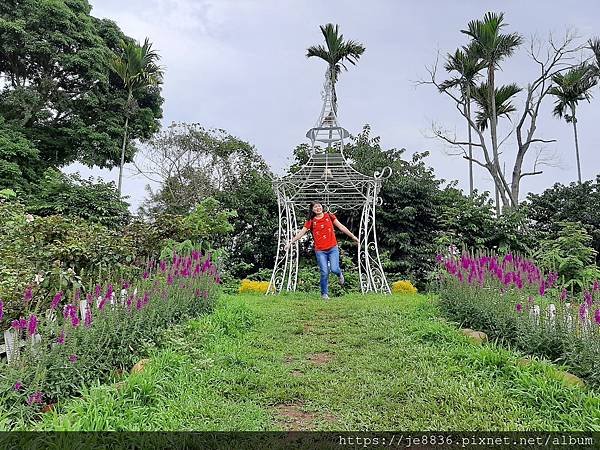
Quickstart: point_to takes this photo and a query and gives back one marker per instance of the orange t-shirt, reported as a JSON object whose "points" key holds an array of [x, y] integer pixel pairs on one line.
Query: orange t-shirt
{"points": [[322, 230]]}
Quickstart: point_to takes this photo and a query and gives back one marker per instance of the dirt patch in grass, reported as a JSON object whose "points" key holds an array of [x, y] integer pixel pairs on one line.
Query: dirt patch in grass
{"points": [[288, 359], [320, 359], [292, 417], [297, 373]]}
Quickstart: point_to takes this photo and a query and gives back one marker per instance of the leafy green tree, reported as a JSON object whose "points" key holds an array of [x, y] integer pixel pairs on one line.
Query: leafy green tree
{"points": [[467, 64], [70, 195], [336, 53], [209, 220], [571, 88], [570, 254], [191, 163], [58, 92], [19, 160], [137, 68], [252, 244], [574, 202]]}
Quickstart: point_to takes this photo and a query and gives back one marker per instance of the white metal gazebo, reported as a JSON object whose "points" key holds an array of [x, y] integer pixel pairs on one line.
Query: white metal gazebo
{"points": [[329, 178]]}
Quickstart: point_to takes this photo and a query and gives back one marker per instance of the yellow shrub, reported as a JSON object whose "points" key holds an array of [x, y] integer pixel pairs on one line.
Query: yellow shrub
{"points": [[256, 287], [403, 287]]}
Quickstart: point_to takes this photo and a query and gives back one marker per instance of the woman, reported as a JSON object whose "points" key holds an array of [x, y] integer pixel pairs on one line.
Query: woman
{"points": [[326, 249]]}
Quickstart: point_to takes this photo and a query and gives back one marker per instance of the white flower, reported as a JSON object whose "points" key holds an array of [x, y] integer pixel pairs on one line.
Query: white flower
{"points": [[29, 218], [38, 278]]}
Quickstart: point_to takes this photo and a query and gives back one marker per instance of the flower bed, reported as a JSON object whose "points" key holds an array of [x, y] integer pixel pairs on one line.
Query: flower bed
{"points": [[512, 300], [92, 335]]}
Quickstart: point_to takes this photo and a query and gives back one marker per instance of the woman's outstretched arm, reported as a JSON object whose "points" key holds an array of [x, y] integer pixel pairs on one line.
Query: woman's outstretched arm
{"points": [[345, 230], [300, 233]]}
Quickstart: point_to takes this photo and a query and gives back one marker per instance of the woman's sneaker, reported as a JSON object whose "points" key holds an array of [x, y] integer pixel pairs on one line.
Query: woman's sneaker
{"points": [[342, 281], [325, 297]]}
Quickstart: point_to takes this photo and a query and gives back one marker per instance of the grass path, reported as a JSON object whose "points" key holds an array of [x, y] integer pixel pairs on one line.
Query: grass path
{"points": [[353, 363]]}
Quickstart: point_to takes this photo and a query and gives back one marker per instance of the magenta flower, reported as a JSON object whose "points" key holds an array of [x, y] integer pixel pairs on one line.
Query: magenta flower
{"points": [[56, 300], [28, 295], [163, 265], [19, 324], [1, 309], [596, 286], [87, 320], [519, 308], [126, 285], [146, 298], [587, 298], [145, 275], [73, 358], [18, 386], [139, 304], [597, 316], [542, 288], [36, 397], [77, 295], [60, 340], [97, 291], [582, 311], [563, 295], [170, 279], [32, 325]]}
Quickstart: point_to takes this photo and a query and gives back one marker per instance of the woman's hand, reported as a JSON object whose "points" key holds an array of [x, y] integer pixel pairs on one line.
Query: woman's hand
{"points": [[355, 239]]}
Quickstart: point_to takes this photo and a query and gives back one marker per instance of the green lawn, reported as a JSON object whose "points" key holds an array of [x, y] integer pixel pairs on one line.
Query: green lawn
{"points": [[353, 363]]}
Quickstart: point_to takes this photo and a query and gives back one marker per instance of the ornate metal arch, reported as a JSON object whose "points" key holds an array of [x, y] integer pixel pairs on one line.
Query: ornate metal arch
{"points": [[328, 176]]}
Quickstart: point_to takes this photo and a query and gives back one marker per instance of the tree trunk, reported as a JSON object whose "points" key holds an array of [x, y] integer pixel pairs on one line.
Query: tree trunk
{"points": [[574, 119], [123, 154], [468, 108], [124, 147]]}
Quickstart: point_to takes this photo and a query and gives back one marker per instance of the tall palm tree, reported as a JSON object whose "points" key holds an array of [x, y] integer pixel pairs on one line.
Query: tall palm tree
{"points": [[336, 54], [492, 47], [137, 67], [570, 88], [467, 64]]}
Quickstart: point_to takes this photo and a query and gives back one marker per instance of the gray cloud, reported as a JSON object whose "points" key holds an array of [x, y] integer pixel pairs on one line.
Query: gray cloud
{"points": [[240, 65]]}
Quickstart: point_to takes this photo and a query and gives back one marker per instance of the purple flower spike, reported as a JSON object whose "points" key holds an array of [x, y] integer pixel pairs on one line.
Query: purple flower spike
{"points": [[583, 311], [597, 316], [563, 295], [587, 298], [145, 275], [73, 358], [18, 386], [56, 300], [36, 397], [60, 340], [519, 308], [28, 295], [32, 324], [1, 309], [596, 286], [87, 321]]}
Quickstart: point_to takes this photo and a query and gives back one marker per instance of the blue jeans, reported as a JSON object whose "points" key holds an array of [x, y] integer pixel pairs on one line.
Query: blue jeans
{"points": [[331, 256]]}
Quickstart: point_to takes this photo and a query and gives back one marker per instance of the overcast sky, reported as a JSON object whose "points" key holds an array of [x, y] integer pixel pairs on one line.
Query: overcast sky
{"points": [[241, 66]]}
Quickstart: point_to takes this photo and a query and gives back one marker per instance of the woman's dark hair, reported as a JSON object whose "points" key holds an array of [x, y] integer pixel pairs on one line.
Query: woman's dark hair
{"points": [[311, 213]]}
